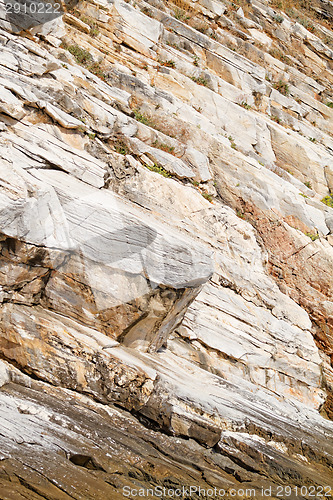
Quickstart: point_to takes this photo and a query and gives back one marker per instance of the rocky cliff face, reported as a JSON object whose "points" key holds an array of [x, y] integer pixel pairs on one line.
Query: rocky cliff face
{"points": [[166, 260]]}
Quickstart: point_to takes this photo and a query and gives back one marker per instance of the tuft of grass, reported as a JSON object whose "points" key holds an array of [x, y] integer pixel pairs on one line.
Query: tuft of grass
{"points": [[207, 196], [97, 70], [81, 56], [245, 105], [164, 147], [169, 64], [181, 14], [121, 148], [278, 18], [84, 58], [200, 25], [146, 11], [328, 200], [307, 24], [200, 80], [308, 184], [142, 118], [312, 139], [304, 195], [174, 45], [277, 53], [196, 60], [94, 31], [158, 169], [329, 104], [282, 87]]}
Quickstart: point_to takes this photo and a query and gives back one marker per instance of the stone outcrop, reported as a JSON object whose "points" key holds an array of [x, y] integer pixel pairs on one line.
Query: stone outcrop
{"points": [[166, 304]]}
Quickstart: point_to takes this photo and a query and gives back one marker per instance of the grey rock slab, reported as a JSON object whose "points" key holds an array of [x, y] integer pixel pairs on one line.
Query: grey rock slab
{"points": [[36, 142], [10, 105], [96, 217], [64, 119]]}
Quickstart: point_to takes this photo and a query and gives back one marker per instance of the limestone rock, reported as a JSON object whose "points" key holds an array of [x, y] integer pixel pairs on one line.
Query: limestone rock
{"points": [[165, 247]]}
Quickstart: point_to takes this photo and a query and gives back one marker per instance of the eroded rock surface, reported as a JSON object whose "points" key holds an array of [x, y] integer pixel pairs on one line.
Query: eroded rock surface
{"points": [[166, 285]]}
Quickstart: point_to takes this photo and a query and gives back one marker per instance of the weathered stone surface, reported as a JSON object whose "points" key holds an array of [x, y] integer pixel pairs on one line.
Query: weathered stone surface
{"points": [[164, 248]]}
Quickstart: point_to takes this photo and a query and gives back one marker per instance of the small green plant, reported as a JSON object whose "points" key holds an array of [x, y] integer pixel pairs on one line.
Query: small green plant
{"points": [[142, 118], [307, 24], [245, 105], [329, 104], [196, 60], [168, 64], [94, 31], [328, 200], [278, 18], [180, 14], [96, 69], [304, 195], [275, 119], [121, 148], [174, 45], [282, 87], [164, 147], [199, 80], [84, 58], [277, 53], [207, 196], [232, 143], [308, 184], [240, 214], [313, 237], [91, 135], [158, 170], [81, 56], [146, 11], [312, 139]]}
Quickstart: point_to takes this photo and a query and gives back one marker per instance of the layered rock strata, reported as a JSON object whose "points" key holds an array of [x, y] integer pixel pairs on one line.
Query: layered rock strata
{"points": [[166, 248]]}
